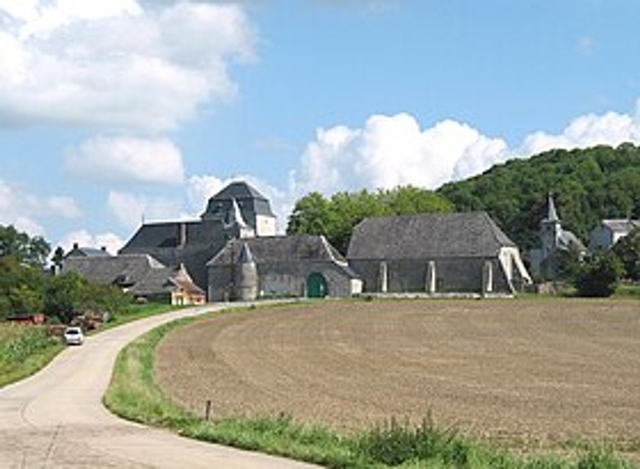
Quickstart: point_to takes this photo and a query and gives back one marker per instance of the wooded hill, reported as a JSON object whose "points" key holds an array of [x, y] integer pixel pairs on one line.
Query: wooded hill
{"points": [[588, 185]]}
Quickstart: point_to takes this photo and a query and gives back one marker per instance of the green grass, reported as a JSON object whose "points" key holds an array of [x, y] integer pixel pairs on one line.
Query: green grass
{"points": [[135, 395], [628, 291], [24, 350], [134, 312]]}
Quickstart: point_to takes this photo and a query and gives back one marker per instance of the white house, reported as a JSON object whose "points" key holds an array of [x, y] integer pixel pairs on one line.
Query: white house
{"points": [[610, 231]]}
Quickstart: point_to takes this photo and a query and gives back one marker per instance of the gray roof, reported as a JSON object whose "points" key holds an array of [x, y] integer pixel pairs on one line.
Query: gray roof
{"points": [[430, 235], [552, 213], [279, 249], [162, 234], [621, 225], [87, 252], [247, 197], [116, 270], [141, 273]]}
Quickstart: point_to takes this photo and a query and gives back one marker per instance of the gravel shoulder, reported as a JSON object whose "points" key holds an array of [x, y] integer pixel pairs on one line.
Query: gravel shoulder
{"points": [[527, 372]]}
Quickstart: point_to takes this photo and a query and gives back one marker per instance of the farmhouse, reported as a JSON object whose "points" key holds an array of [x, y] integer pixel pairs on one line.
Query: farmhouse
{"points": [[138, 274], [298, 266], [237, 211], [436, 253]]}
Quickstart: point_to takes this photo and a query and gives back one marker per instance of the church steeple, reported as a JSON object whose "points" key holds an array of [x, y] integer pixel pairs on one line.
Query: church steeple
{"points": [[552, 214], [550, 228]]}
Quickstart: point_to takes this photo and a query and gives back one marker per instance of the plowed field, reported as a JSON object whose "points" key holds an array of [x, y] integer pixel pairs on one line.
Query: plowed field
{"points": [[525, 371]]}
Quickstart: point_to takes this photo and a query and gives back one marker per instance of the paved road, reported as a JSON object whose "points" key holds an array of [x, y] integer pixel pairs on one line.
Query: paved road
{"points": [[55, 419]]}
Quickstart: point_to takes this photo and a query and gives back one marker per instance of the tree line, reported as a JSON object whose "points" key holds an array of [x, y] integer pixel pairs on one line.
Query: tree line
{"points": [[27, 287]]}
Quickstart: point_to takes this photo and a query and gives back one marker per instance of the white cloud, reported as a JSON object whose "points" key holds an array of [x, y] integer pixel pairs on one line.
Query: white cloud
{"points": [[394, 150], [24, 210], [126, 159], [585, 131], [116, 64], [391, 151], [83, 238], [131, 210]]}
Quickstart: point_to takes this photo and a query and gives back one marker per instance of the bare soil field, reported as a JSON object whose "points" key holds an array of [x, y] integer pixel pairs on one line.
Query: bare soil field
{"points": [[526, 372]]}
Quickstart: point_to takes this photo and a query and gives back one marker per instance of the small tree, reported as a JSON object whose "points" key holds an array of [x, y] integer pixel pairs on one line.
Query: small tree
{"points": [[628, 251], [599, 275]]}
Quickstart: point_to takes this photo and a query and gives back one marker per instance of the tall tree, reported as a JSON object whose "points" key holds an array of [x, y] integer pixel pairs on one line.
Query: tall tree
{"points": [[30, 250], [628, 251], [336, 217]]}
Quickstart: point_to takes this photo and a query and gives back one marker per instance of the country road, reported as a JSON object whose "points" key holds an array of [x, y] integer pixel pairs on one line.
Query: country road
{"points": [[55, 419]]}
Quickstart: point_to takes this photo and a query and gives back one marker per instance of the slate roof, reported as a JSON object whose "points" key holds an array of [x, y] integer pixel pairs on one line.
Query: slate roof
{"points": [[87, 252], [621, 225], [141, 273], [272, 249], [431, 235], [125, 269], [163, 234], [244, 195]]}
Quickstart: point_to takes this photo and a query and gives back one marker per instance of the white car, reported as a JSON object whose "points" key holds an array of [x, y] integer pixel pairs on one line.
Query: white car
{"points": [[73, 336]]}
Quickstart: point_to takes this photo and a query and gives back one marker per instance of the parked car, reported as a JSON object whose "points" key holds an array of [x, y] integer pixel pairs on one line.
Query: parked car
{"points": [[73, 335]]}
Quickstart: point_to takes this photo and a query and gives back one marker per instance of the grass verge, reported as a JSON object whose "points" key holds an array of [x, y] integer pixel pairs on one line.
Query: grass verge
{"points": [[24, 350], [134, 395]]}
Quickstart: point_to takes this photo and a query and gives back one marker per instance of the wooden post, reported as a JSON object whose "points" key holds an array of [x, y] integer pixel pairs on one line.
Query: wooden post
{"points": [[207, 411]]}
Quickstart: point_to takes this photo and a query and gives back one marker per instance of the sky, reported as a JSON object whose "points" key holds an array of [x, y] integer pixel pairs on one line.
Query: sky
{"points": [[119, 112]]}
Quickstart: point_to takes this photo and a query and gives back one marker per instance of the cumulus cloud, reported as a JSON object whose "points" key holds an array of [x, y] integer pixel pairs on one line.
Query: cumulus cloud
{"points": [[23, 209], [83, 238], [585, 131], [395, 150], [126, 159], [117, 64]]}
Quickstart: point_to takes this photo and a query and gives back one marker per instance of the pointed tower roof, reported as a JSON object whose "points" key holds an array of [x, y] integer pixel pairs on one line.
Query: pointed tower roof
{"points": [[552, 214], [245, 256]]}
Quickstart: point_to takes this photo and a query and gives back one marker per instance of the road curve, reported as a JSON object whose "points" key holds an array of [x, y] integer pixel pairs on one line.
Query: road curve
{"points": [[55, 419]]}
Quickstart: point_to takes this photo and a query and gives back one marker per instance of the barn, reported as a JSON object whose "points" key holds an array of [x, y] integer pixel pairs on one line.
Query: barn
{"points": [[436, 253]]}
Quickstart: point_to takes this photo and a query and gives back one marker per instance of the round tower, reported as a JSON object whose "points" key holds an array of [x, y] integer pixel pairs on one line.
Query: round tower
{"points": [[245, 276]]}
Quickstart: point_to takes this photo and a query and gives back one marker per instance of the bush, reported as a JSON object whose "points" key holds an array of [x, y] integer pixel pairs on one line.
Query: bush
{"points": [[599, 275]]}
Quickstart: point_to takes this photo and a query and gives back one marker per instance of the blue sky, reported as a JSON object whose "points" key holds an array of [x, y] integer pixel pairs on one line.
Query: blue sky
{"points": [[118, 111]]}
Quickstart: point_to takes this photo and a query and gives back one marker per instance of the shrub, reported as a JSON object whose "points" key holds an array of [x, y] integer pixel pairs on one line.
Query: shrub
{"points": [[599, 275]]}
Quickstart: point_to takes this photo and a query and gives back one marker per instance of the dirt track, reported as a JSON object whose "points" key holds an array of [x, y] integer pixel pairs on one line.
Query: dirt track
{"points": [[522, 371]]}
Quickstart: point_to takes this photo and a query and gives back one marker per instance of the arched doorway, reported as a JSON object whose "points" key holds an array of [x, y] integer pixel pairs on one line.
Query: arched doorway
{"points": [[317, 286]]}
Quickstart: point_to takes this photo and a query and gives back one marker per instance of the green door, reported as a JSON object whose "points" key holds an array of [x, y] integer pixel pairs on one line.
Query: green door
{"points": [[317, 286]]}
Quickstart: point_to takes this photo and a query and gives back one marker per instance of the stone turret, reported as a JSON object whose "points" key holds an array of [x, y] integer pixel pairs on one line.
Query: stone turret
{"points": [[245, 276], [550, 228]]}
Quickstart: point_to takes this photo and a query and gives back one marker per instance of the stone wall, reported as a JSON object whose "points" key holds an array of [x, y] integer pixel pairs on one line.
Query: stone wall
{"points": [[453, 275]]}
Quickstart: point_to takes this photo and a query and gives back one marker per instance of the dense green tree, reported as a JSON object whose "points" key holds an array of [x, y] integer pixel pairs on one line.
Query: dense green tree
{"points": [[589, 185], [30, 250], [336, 217], [628, 251], [21, 288], [63, 296], [599, 275]]}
